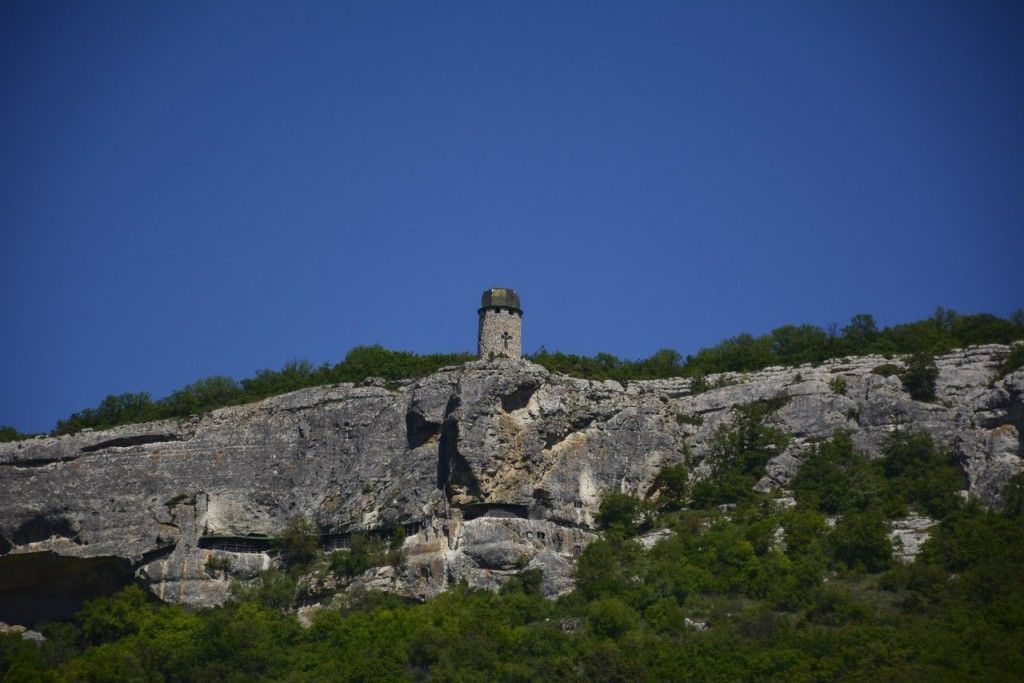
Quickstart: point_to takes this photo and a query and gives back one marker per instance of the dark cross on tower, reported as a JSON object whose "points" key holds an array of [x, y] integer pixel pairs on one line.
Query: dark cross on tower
{"points": [[506, 337]]}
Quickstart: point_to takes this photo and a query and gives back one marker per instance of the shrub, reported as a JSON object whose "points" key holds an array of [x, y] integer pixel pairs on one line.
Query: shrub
{"points": [[611, 617], [218, 563], [622, 512], [739, 453], [919, 473], [919, 377], [367, 551], [861, 542], [838, 385], [671, 485], [695, 420], [837, 478], [886, 370], [527, 582], [273, 589], [12, 434], [299, 543], [1012, 362], [113, 617], [1013, 496]]}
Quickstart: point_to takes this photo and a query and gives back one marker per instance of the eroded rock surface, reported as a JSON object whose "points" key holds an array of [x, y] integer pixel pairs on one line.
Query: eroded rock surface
{"points": [[492, 466]]}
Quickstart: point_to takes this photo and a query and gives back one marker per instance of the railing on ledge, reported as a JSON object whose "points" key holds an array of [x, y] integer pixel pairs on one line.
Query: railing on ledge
{"points": [[333, 540]]}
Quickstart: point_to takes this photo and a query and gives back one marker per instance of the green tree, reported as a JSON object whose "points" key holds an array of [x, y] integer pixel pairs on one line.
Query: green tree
{"points": [[672, 487], [202, 395], [611, 617], [861, 542], [919, 377], [299, 543], [861, 333], [623, 512], [10, 434], [1013, 496], [837, 478], [1012, 362], [739, 453], [107, 619], [920, 474]]}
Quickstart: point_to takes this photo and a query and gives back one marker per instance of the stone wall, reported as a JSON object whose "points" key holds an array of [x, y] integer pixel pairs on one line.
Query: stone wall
{"points": [[501, 333]]}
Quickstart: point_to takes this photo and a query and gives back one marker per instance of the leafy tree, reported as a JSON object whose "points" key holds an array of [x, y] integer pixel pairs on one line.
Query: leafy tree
{"points": [[299, 543], [919, 377], [623, 512], [526, 582], [796, 344], [1014, 361], [363, 552], [1017, 318], [739, 454], [788, 344], [837, 478], [860, 333], [11, 434], [919, 473], [956, 613], [861, 542], [1013, 496], [107, 619], [611, 617], [202, 395], [113, 410], [672, 487]]}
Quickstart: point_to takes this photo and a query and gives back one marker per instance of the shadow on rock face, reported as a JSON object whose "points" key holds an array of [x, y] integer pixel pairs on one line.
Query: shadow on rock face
{"points": [[41, 587]]}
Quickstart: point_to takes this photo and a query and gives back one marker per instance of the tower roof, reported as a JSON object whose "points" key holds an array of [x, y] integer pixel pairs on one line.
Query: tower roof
{"points": [[500, 297]]}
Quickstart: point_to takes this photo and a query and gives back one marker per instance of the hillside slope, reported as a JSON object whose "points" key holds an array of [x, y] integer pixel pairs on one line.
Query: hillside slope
{"points": [[489, 466]]}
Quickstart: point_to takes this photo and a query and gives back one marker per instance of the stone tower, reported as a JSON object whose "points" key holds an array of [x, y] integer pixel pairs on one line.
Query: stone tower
{"points": [[501, 324]]}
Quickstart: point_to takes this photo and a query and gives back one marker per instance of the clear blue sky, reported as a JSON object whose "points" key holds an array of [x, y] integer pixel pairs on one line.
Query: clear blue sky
{"points": [[206, 188]]}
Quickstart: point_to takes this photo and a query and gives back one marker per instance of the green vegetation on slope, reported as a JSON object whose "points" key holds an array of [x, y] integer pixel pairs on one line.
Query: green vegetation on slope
{"points": [[796, 344], [787, 345], [215, 392], [728, 596]]}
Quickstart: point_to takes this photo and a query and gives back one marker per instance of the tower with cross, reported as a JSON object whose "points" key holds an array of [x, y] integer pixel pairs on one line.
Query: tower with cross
{"points": [[501, 324]]}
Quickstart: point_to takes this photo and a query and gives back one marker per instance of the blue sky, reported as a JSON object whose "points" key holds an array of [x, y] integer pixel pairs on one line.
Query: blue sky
{"points": [[202, 188]]}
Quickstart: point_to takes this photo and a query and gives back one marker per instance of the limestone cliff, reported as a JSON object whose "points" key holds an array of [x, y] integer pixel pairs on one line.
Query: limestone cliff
{"points": [[492, 466]]}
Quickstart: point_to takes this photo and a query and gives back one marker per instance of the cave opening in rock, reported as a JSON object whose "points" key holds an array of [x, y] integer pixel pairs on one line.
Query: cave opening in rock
{"points": [[40, 587]]}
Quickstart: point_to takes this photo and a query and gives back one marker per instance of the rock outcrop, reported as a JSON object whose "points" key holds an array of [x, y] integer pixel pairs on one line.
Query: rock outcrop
{"points": [[490, 466]]}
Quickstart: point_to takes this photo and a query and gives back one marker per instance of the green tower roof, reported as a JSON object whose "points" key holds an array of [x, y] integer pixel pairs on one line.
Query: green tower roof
{"points": [[500, 297]]}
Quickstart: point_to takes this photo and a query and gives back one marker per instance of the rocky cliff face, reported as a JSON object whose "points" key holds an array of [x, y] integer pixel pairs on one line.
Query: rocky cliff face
{"points": [[493, 466]]}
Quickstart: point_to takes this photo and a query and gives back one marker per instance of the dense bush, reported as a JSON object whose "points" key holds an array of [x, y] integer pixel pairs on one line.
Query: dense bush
{"points": [[786, 345], [1014, 361], [920, 475], [671, 487], [861, 542], [218, 391], [913, 475], [739, 453], [299, 543], [11, 434], [919, 377], [365, 552], [767, 611], [622, 512], [836, 478]]}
